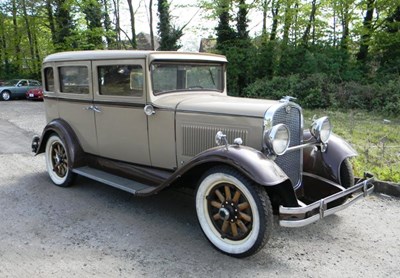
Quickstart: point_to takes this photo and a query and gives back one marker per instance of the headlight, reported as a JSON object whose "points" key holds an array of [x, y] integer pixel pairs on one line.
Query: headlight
{"points": [[277, 139], [321, 129]]}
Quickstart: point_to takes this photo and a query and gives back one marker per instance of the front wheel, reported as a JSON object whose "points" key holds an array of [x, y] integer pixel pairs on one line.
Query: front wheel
{"points": [[57, 162], [234, 213], [5, 95]]}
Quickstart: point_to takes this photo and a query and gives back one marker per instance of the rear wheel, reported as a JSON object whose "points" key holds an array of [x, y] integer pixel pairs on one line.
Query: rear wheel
{"points": [[57, 162], [5, 95], [234, 213]]}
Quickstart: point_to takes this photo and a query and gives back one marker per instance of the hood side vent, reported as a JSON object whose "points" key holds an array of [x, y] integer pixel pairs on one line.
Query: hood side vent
{"points": [[200, 138]]}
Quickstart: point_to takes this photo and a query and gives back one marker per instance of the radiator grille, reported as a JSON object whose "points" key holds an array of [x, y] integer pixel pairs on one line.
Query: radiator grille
{"points": [[200, 138], [290, 162]]}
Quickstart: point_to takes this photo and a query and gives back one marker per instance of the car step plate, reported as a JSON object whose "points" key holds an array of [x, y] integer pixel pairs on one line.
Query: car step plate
{"points": [[112, 180]]}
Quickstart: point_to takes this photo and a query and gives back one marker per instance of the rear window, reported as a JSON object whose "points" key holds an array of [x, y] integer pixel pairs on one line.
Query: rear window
{"points": [[49, 79], [74, 79]]}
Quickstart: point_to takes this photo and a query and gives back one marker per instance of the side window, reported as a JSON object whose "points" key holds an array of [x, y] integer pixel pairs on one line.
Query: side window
{"points": [[121, 80], [34, 83], [23, 83], [49, 79], [74, 79]]}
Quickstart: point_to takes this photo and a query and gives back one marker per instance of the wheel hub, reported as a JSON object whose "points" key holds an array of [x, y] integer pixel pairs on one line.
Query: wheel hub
{"points": [[224, 213], [59, 159], [228, 211]]}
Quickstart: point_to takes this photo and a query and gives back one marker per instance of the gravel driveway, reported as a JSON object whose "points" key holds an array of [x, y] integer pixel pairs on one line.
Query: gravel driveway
{"points": [[91, 230]]}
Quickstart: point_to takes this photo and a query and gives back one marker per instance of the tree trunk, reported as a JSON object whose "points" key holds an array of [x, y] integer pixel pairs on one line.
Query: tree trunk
{"points": [[275, 11], [29, 33], [117, 23], [264, 12], [16, 37], [50, 17], [310, 23], [288, 22], [133, 32], [345, 26], [365, 38], [151, 25]]}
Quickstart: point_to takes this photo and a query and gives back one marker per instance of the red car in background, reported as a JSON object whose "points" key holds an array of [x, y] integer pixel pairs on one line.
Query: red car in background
{"points": [[35, 94]]}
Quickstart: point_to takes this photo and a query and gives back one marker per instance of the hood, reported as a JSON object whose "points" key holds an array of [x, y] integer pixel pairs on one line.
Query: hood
{"points": [[217, 104]]}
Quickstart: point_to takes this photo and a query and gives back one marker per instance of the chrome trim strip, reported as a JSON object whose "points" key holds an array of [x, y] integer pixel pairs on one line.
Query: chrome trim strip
{"points": [[299, 214]]}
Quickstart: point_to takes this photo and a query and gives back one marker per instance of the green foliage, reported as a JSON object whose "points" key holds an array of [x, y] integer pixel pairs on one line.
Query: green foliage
{"points": [[169, 35]]}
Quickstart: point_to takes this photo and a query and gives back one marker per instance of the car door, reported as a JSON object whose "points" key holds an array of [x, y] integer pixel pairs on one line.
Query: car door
{"points": [[21, 89], [75, 101], [119, 99]]}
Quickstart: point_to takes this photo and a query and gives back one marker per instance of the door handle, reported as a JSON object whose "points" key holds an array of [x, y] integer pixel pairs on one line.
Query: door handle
{"points": [[93, 108]]}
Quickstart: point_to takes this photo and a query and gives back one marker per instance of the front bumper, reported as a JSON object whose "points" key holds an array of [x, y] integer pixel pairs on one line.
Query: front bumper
{"points": [[302, 216]]}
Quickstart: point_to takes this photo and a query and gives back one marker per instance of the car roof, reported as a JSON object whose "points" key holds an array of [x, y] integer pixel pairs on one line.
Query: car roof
{"points": [[132, 54]]}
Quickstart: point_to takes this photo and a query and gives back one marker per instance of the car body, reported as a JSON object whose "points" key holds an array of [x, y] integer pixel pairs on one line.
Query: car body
{"points": [[142, 121], [35, 94], [17, 88]]}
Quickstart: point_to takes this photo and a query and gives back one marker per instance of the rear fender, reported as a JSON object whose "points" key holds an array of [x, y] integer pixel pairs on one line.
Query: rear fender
{"points": [[68, 136], [327, 164]]}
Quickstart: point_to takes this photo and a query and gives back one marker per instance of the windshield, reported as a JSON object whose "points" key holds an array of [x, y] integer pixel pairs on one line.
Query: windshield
{"points": [[12, 82], [173, 77]]}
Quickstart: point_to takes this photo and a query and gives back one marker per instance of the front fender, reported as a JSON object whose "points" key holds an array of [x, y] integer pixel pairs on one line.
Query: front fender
{"points": [[252, 163], [327, 164], [66, 133]]}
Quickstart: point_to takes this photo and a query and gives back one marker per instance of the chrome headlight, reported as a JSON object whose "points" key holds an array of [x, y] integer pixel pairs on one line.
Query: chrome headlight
{"points": [[277, 139], [321, 129]]}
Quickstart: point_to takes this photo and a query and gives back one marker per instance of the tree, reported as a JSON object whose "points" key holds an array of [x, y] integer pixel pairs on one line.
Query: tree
{"points": [[169, 35], [225, 33], [64, 26], [151, 25], [93, 16], [132, 17], [107, 25], [367, 31]]}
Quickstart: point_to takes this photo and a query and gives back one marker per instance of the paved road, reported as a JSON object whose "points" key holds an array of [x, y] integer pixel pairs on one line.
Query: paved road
{"points": [[91, 230]]}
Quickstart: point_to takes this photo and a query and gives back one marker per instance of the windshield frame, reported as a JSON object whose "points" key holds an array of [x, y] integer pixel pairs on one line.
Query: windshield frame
{"points": [[180, 63]]}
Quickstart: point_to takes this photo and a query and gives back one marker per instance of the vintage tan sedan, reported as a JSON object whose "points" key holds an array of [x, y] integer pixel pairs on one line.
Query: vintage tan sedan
{"points": [[143, 121]]}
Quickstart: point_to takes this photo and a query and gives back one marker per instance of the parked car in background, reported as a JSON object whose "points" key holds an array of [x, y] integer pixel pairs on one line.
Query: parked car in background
{"points": [[143, 121], [17, 88], [35, 94]]}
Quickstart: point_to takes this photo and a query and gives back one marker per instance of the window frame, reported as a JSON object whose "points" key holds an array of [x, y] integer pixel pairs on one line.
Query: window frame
{"points": [[117, 98], [60, 94]]}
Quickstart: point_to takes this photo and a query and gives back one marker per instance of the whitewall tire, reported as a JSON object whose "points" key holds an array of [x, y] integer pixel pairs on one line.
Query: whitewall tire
{"points": [[234, 213], [57, 162]]}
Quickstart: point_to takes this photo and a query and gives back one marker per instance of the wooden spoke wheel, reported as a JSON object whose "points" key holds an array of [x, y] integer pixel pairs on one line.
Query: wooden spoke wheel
{"points": [[57, 162], [234, 213], [230, 211]]}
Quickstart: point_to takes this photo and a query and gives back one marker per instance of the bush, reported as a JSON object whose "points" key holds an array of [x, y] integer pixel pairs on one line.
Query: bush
{"points": [[319, 91], [312, 91]]}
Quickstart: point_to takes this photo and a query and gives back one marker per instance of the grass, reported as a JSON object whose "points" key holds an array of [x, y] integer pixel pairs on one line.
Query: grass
{"points": [[376, 138]]}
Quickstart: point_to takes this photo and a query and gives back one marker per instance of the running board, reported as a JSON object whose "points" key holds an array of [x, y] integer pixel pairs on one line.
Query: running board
{"points": [[128, 185]]}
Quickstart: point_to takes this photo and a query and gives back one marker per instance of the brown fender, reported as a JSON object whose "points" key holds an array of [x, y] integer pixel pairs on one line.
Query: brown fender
{"points": [[252, 163], [248, 161], [67, 135], [327, 164]]}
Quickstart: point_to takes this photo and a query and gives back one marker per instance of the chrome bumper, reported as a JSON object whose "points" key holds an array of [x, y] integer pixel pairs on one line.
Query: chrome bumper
{"points": [[302, 216]]}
